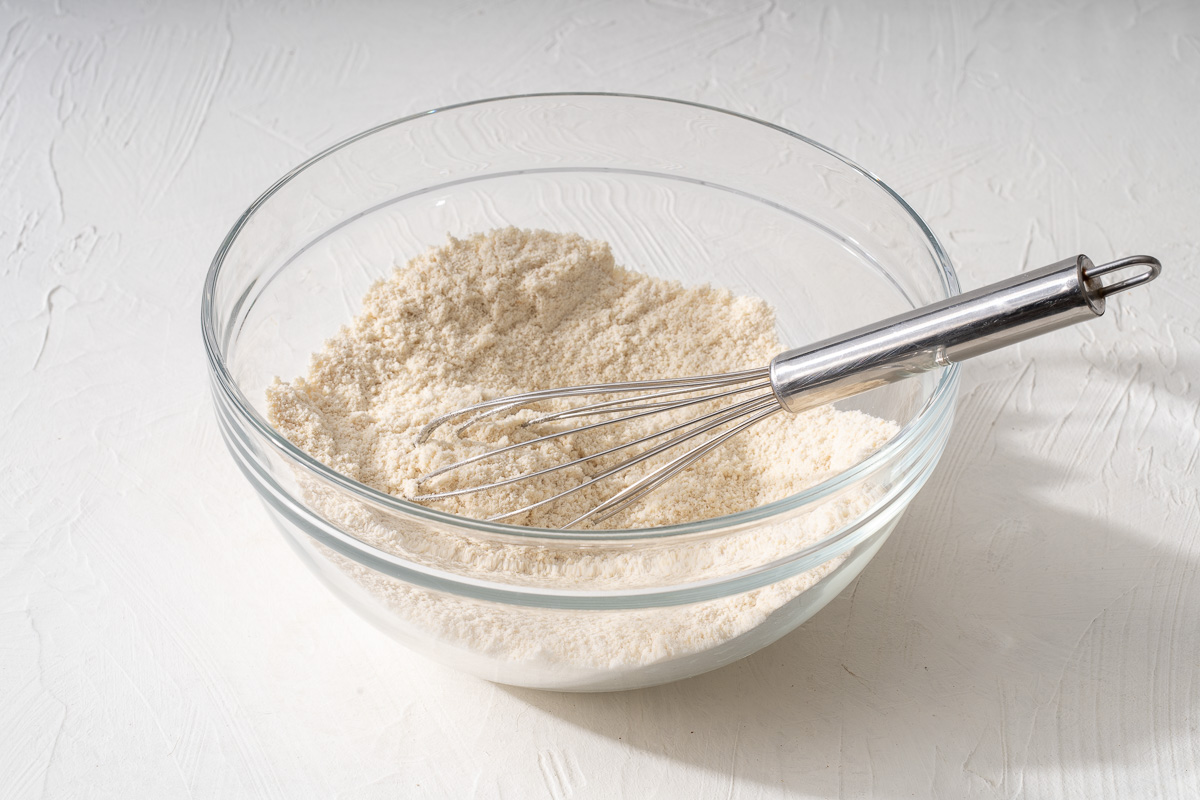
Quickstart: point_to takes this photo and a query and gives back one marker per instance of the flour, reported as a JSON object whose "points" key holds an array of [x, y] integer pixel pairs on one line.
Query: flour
{"points": [[514, 311]]}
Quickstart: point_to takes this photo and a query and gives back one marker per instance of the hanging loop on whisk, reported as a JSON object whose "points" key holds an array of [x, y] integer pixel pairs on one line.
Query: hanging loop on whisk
{"points": [[1154, 266]]}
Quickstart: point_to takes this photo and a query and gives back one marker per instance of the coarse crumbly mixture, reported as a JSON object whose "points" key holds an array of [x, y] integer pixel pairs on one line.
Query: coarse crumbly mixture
{"points": [[517, 310]]}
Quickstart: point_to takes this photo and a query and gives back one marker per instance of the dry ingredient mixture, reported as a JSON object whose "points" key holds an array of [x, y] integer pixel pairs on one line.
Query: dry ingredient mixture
{"points": [[517, 310]]}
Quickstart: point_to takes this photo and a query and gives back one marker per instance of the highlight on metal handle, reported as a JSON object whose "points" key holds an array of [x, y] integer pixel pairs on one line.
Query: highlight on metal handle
{"points": [[1093, 273], [952, 330]]}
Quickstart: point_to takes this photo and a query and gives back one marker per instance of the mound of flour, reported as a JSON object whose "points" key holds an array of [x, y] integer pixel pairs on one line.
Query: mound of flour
{"points": [[517, 310]]}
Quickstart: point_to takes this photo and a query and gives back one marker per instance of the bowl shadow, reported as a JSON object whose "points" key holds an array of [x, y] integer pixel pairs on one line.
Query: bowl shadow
{"points": [[980, 643]]}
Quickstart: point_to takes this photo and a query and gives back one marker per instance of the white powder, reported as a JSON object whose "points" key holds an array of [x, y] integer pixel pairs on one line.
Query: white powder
{"points": [[514, 311]]}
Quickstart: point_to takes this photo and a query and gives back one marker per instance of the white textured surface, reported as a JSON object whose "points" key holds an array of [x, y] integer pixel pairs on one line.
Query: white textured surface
{"points": [[1031, 630]]}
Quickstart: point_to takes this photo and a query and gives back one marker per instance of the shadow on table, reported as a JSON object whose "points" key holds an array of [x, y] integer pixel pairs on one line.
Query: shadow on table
{"points": [[993, 632]]}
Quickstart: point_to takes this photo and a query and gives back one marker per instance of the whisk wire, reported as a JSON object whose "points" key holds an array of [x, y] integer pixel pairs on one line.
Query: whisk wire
{"points": [[513, 401], [560, 434], [722, 418], [647, 484], [614, 406]]}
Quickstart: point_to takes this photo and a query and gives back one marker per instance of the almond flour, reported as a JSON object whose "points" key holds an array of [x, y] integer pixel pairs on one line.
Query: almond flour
{"points": [[517, 310]]}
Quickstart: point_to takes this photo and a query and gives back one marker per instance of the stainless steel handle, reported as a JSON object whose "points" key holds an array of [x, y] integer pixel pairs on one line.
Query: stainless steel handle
{"points": [[953, 330]]}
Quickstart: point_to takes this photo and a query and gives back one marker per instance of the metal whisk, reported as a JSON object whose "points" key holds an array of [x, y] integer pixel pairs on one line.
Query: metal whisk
{"points": [[937, 335]]}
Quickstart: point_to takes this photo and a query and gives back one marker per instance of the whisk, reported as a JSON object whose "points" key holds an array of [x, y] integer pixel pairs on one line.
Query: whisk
{"points": [[937, 335]]}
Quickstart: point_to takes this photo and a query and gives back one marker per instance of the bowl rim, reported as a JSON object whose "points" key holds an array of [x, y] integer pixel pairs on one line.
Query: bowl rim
{"points": [[943, 393]]}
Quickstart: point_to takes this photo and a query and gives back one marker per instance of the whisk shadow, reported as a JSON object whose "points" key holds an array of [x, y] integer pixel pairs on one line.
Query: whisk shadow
{"points": [[938, 665]]}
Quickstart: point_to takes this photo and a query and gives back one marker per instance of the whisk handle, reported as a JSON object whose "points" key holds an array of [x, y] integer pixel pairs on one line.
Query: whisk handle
{"points": [[950, 331]]}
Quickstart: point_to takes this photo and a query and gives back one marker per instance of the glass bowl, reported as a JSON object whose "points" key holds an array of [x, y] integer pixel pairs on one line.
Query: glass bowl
{"points": [[679, 190]]}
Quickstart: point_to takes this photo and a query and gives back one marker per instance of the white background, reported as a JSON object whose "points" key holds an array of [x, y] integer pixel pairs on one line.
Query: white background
{"points": [[1032, 629]]}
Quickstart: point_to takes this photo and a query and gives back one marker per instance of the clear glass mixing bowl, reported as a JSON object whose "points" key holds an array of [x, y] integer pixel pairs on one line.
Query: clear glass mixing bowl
{"points": [[679, 190]]}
